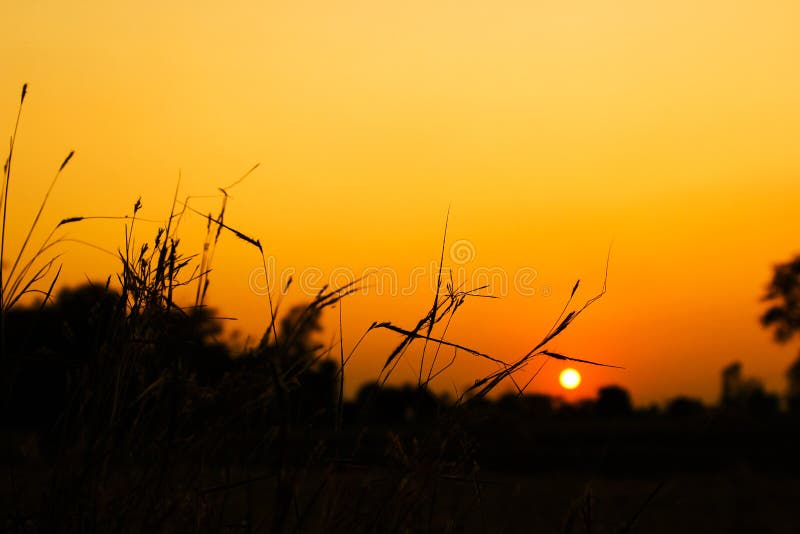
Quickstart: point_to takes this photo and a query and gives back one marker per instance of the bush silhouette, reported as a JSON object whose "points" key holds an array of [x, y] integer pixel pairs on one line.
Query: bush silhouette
{"points": [[684, 407]]}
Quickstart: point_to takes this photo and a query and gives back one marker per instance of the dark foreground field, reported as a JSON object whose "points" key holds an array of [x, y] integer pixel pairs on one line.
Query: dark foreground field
{"points": [[637, 474]]}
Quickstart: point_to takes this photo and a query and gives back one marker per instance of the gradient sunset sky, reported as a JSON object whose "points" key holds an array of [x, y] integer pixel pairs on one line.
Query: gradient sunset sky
{"points": [[553, 130]]}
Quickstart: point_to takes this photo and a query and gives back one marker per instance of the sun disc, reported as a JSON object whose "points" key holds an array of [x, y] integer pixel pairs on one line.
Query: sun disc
{"points": [[569, 378]]}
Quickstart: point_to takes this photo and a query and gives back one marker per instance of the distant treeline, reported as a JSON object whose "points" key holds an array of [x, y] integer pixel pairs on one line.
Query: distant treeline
{"points": [[55, 355]]}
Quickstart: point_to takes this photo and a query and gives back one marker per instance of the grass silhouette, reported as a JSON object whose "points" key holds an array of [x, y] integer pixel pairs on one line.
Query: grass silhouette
{"points": [[160, 428]]}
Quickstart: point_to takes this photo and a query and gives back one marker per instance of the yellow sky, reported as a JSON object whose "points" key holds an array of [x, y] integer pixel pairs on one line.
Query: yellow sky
{"points": [[550, 128]]}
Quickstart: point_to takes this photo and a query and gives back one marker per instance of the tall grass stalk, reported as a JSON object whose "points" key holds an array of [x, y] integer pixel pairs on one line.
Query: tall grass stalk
{"points": [[446, 305], [13, 288]]}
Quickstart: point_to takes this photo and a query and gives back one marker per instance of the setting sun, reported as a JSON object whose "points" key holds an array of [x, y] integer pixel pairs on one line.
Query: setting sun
{"points": [[570, 378]]}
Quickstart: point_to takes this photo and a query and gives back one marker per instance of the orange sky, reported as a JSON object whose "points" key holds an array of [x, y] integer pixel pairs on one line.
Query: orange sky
{"points": [[552, 129]]}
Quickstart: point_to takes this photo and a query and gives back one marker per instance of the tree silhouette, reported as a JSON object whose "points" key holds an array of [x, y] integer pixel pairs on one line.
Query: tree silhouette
{"points": [[742, 395], [783, 315], [613, 401], [731, 384], [783, 294], [63, 350], [52, 346]]}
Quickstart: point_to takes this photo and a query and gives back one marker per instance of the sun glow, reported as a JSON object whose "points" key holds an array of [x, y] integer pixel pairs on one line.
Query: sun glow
{"points": [[569, 378]]}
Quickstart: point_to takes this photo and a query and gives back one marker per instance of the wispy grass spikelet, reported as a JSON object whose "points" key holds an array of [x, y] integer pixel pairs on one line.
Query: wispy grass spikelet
{"points": [[66, 160]]}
